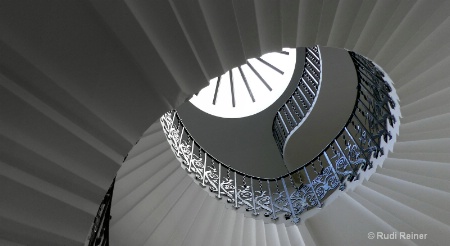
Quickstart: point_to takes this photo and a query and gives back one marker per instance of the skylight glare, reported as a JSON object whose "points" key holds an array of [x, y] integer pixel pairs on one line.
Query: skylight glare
{"points": [[250, 88]]}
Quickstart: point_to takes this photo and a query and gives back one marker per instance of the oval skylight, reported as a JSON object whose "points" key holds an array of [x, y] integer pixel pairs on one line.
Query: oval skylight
{"points": [[250, 88]]}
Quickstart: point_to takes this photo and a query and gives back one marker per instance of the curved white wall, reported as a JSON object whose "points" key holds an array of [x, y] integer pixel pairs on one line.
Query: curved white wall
{"points": [[245, 143], [125, 50]]}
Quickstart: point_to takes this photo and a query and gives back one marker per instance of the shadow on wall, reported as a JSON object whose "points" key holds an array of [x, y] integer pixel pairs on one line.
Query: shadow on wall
{"points": [[335, 103], [245, 144]]}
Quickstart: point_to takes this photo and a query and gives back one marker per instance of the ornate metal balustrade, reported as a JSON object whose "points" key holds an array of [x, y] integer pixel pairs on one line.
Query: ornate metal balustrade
{"points": [[309, 185], [99, 234], [296, 108]]}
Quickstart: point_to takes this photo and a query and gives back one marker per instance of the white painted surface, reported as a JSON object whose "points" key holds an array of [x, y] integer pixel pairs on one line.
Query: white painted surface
{"points": [[330, 113], [111, 69]]}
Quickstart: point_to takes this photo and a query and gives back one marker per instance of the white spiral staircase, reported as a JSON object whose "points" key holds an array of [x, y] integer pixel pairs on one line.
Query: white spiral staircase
{"points": [[81, 80]]}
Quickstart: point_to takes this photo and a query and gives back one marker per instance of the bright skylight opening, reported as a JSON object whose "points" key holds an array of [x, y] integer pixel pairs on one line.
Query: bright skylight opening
{"points": [[275, 71]]}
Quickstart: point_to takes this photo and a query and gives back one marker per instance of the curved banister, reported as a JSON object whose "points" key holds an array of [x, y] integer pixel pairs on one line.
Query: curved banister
{"points": [[310, 184], [296, 109], [99, 233]]}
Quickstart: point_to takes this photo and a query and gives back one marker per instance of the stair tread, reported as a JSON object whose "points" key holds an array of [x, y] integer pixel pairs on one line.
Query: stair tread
{"points": [[418, 222]]}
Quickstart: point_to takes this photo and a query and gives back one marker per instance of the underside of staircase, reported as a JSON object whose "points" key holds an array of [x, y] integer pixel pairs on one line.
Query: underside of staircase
{"points": [[82, 81]]}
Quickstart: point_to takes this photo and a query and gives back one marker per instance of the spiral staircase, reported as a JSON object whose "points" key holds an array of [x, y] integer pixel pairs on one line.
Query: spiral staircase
{"points": [[82, 81]]}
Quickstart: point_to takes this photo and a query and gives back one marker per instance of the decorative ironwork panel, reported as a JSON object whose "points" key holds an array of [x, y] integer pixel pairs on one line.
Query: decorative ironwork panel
{"points": [[293, 112], [340, 162], [99, 233]]}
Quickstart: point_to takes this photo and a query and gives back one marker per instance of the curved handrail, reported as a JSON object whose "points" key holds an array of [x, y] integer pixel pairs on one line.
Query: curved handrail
{"points": [[309, 185], [99, 233], [297, 107]]}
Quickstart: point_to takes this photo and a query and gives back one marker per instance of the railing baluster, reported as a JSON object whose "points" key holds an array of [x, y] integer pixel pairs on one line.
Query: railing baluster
{"points": [[274, 217], [360, 148], [346, 159], [375, 118], [312, 77], [283, 133], [253, 197], [219, 181], [310, 51], [319, 204], [236, 206], [385, 107], [190, 156], [173, 118], [99, 232], [181, 135], [290, 113], [370, 135], [309, 88], [331, 165], [204, 169], [304, 97], [366, 67], [313, 65], [282, 121], [179, 141], [298, 106], [291, 207]]}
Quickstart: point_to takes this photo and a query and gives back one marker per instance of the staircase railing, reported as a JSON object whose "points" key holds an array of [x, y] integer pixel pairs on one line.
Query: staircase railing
{"points": [[297, 107], [309, 185], [99, 233]]}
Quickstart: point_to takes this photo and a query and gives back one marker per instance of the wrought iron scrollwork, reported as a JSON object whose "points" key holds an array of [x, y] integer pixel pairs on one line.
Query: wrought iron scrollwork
{"points": [[296, 108], [308, 186], [99, 234]]}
